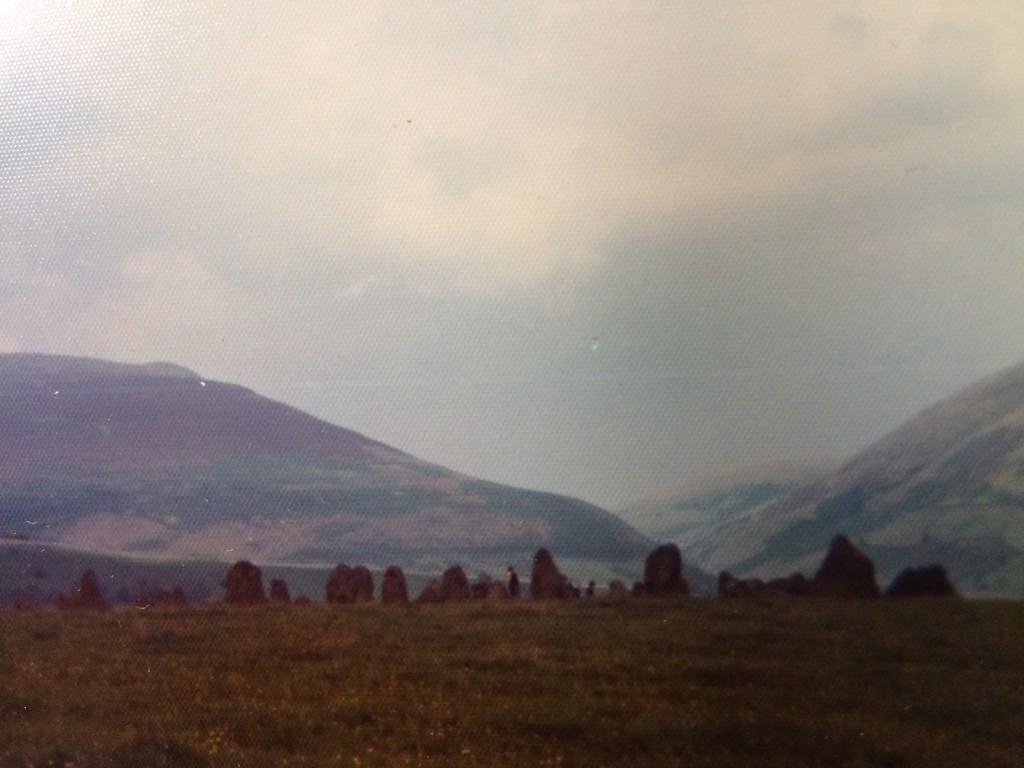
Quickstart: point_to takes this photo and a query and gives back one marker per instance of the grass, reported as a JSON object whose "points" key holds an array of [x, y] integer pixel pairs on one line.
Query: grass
{"points": [[660, 683]]}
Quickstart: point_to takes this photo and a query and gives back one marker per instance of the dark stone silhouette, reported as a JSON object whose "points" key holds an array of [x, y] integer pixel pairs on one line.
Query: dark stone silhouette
{"points": [[279, 592], [393, 588], [617, 590], [244, 584], [350, 585], [929, 581], [162, 598], [663, 572], [730, 586], [546, 581], [794, 585], [454, 584], [86, 596], [431, 593], [496, 591], [845, 572]]}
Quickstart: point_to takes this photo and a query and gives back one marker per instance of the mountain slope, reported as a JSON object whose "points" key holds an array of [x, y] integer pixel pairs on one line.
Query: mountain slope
{"points": [[156, 461], [947, 487]]}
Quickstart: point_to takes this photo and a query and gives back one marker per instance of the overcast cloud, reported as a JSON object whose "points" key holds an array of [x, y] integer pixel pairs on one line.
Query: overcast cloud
{"points": [[595, 248]]}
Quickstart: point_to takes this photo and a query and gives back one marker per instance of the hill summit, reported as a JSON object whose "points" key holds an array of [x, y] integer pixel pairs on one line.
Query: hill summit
{"points": [[155, 460]]}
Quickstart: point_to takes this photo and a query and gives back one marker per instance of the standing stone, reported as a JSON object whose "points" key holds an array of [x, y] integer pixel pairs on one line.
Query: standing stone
{"points": [[279, 591], [431, 592], [930, 581], [663, 572], [244, 584], [350, 585], [393, 588], [454, 584], [845, 572], [87, 595], [546, 581]]}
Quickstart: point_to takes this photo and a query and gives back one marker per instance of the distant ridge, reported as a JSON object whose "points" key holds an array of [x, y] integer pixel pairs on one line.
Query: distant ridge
{"points": [[945, 487], [155, 460]]}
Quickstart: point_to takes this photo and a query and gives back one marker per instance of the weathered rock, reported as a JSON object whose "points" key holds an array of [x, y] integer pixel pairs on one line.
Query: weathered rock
{"points": [[496, 591], [845, 572], [244, 584], [431, 593], [929, 581], [350, 585], [162, 598], [454, 584], [86, 596], [546, 581], [663, 572], [794, 585], [730, 586], [617, 590], [279, 591], [393, 588]]}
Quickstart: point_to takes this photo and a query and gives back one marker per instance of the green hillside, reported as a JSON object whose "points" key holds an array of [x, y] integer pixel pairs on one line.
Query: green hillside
{"points": [[155, 461], [946, 487]]}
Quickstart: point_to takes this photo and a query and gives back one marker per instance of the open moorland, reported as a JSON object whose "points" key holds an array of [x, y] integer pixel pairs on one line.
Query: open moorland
{"points": [[931, 682]]}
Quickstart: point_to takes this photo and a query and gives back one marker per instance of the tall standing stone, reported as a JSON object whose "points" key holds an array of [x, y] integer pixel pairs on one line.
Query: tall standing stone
{"points": [[845, 572], [350, 585], [663, 572], [393, 588], [244, 584], [87, 595], [546, 581]]}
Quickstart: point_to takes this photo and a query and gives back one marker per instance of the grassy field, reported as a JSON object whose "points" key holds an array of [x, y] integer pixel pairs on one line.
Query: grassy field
{"points": [[659, 683]]}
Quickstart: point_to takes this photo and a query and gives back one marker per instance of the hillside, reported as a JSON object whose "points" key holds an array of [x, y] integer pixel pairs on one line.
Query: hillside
{"points": [[946, 487], [156, 461]]}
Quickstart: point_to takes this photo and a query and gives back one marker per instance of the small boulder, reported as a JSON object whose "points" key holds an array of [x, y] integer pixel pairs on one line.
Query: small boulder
{"points": [[663, 572], [431, 593], [350, 585], [244, 584], [794, 585], [730, 586], [393, 588], [617, 590], [162, 598], [279, 592], [845, 572], [496, 591], [929, 581]]}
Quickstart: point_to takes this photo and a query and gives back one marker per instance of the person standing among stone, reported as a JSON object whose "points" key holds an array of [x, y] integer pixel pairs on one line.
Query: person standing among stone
{"points": [[512, 582]]}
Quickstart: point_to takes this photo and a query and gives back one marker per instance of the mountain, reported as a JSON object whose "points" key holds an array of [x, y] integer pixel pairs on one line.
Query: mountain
{"points": [[685, 514], [154, 461], [946, 487]]}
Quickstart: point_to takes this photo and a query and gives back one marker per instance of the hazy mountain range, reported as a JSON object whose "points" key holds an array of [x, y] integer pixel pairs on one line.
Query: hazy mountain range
{"points": [[156, 464], [153, 461], [946, 487]]}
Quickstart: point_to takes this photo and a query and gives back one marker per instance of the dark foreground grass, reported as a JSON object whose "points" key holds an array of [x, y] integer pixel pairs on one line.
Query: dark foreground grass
{"points": [[787, 683]]}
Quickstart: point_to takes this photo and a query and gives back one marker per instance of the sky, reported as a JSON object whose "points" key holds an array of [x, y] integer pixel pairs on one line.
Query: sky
{"points": [[597, 248]]}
